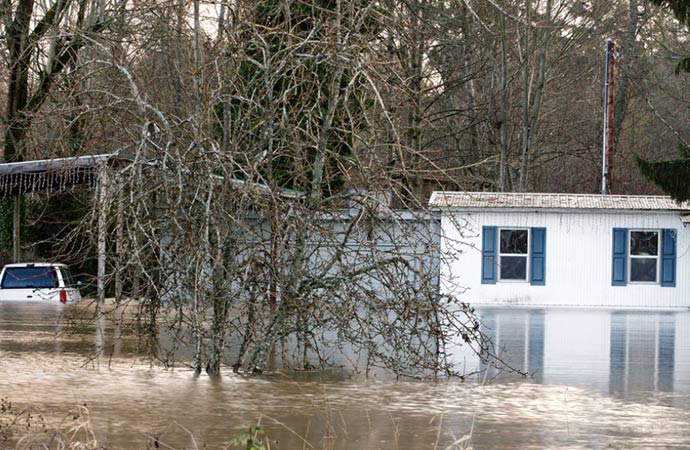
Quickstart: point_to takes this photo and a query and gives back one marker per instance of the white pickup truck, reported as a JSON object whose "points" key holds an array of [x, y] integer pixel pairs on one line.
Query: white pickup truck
{"points": [[38, 283]]}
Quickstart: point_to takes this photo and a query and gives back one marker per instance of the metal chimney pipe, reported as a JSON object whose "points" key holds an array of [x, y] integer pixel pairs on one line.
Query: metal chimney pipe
{"points": [[607, 148]]}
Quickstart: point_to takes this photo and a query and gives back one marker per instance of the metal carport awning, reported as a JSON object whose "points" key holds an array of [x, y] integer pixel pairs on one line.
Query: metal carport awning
{"points": [[55, 174], [19, 178]]}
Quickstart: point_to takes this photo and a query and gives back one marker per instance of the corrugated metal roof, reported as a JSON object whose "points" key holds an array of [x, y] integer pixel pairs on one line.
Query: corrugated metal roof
{"points": [[441, 199]]}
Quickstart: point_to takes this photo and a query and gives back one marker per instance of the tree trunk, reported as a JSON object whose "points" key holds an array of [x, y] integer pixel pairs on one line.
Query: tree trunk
{"points": [[629, 55], [533, 100], [503, 107]]}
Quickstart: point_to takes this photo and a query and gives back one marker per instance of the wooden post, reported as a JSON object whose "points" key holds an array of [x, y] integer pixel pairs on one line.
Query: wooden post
{"points": [[102, 229], [16, 228]]}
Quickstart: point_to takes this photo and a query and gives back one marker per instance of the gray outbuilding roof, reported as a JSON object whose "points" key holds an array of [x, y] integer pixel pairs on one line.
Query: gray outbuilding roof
{"points": [[494, 200]]}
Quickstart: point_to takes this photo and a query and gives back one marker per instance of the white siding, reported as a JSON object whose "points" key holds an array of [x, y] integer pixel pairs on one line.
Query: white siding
{"points": [[578, 259]]}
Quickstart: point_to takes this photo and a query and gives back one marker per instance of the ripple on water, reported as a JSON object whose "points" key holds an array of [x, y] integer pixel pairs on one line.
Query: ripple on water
{"points": [[130, 400]]}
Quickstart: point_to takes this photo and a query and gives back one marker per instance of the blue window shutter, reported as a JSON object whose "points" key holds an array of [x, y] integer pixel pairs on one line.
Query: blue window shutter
{"points": [[619, 273], [668, 258], [489, 251], [538, 257]]}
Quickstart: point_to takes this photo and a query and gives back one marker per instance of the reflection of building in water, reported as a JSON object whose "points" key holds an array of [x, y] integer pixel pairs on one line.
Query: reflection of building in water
{"points": [[642, 352], [577, 347], [610, 351], [518, 339]]}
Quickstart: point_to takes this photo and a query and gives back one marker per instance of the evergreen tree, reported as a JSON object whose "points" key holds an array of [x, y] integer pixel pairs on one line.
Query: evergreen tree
{"points": [[673, 176]]}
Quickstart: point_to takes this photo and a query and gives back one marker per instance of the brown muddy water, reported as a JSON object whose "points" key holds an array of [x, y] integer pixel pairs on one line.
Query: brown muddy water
{"points": [[601, 380]]}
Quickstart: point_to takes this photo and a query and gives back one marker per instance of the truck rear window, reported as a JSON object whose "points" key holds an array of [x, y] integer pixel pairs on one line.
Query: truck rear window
{"points": [[29, 278]]}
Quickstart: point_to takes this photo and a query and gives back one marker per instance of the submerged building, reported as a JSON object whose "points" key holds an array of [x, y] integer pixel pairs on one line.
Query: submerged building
{"points": [[564, 249]]}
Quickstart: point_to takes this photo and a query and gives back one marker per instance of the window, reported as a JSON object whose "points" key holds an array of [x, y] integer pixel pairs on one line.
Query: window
{"points": [[29, 278], [514, 254], [644, 256], [513, 250]]}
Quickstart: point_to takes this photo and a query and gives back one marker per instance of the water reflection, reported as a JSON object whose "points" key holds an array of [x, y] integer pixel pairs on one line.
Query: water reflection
{"points": [[642, 352], [616, 352], [602, 379], [518, 340]]}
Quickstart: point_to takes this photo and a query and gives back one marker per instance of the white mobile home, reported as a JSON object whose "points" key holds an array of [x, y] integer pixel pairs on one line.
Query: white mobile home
{"points": [[564, 249]]}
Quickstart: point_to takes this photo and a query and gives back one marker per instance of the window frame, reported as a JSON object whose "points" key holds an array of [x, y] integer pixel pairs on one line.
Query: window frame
{"points": [[526, 255], [659, 252]]}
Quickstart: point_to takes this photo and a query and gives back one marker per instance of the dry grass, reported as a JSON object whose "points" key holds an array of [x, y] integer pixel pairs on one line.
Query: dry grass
{"points": [[23, 429], [29, 431]]}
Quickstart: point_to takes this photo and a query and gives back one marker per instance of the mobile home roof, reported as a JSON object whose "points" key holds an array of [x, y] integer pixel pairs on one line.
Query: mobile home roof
{"points": [[494, 200]]}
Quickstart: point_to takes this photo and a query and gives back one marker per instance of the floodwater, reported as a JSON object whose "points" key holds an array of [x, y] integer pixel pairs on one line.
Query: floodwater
{"points": [[601, 379]]}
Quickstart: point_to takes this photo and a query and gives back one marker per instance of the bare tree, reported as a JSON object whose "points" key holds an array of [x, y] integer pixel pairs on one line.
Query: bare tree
{"points": [[274, 212], [231, 230]]}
